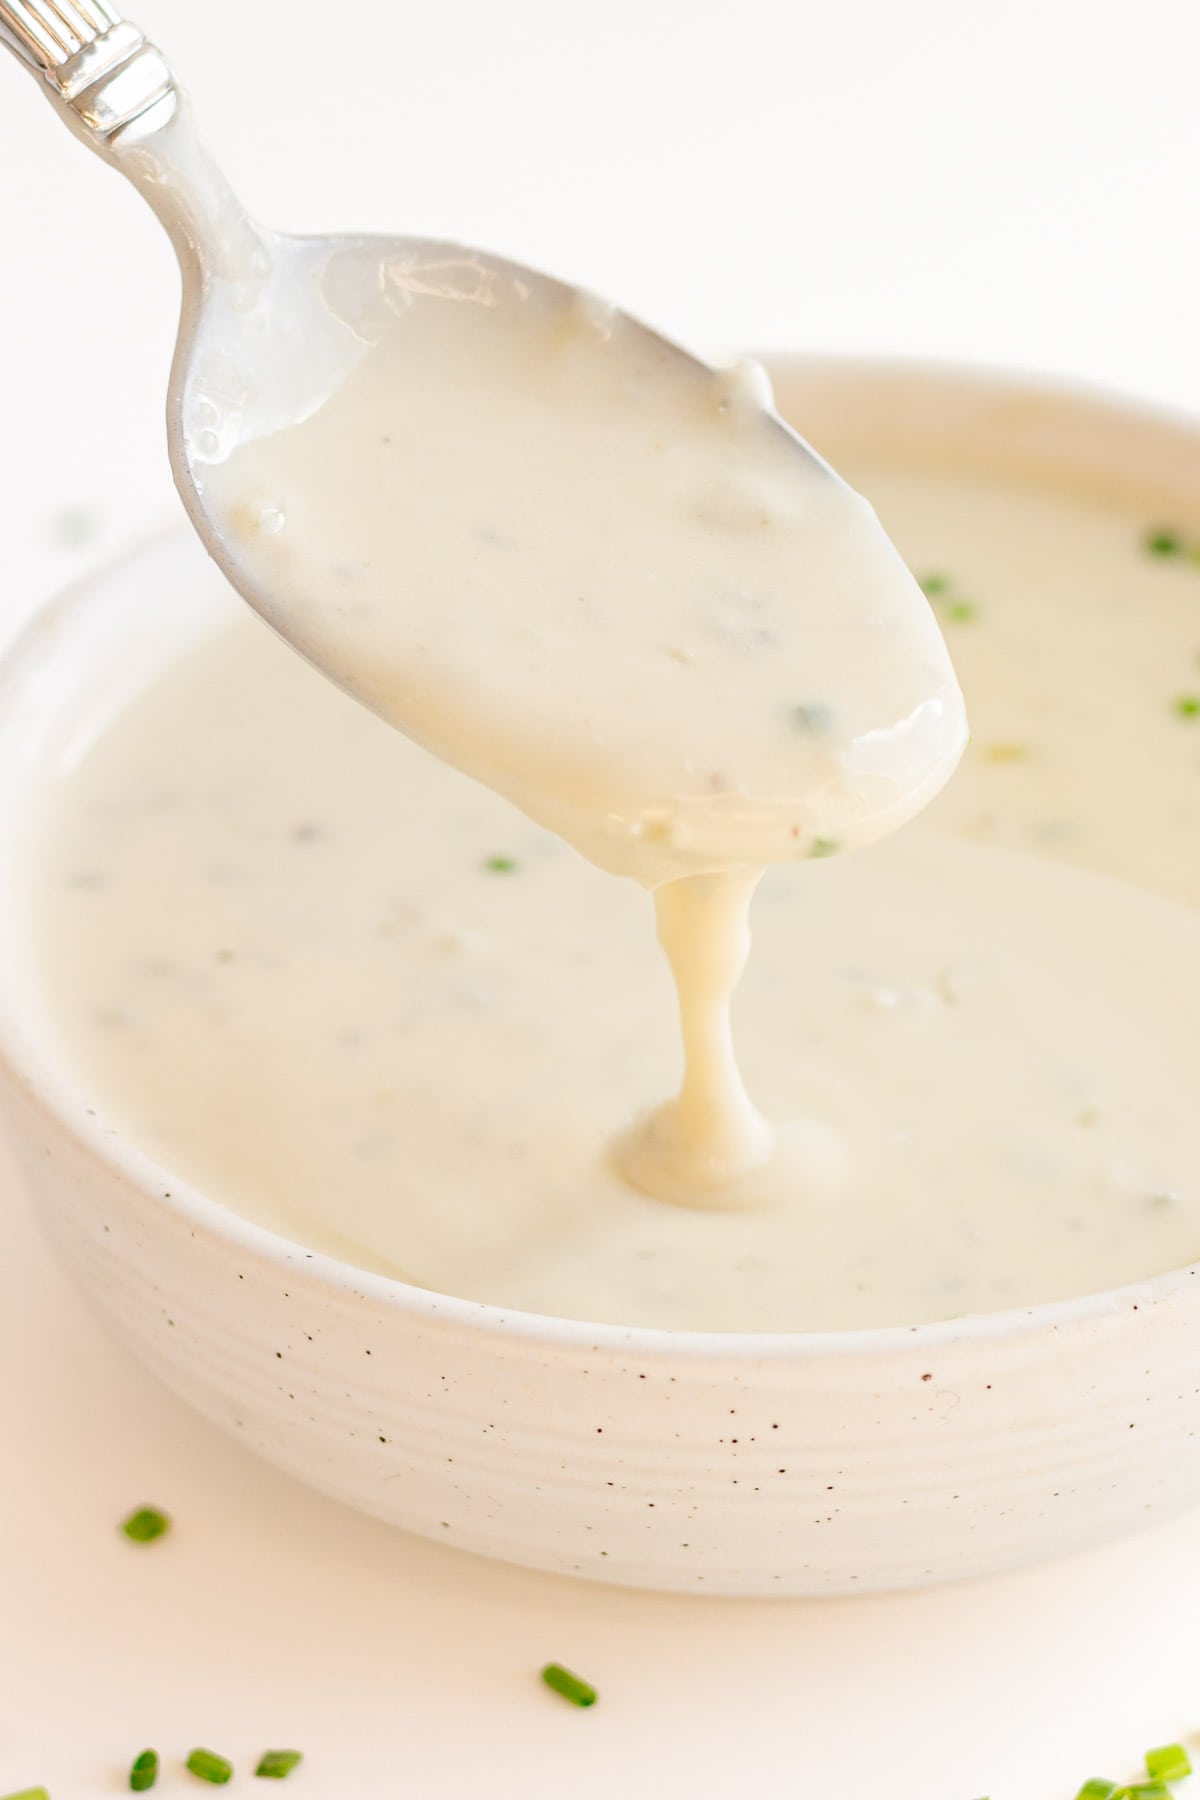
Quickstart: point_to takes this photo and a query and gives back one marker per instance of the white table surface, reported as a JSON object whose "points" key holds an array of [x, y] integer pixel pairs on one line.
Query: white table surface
{"points": [[1015, 184]]}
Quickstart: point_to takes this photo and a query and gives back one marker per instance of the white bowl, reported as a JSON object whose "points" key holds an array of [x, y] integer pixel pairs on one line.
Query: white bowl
{"points": [[723, 1464]]}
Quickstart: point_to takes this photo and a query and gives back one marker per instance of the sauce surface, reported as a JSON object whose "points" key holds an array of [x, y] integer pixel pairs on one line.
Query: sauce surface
{"points": [[371, 1005]]}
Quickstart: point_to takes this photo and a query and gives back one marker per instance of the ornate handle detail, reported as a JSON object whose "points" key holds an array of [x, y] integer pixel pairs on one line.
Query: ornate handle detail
{"points": [[95, 63]]}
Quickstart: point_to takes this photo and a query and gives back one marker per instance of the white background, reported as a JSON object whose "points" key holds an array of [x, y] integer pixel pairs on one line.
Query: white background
{"points": [[1017, 184]]}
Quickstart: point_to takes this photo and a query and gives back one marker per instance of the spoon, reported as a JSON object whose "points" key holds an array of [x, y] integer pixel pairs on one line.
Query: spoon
{"points": [[657, 744]]}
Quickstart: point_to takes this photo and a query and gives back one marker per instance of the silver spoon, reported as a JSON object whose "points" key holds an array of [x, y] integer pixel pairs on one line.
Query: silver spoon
{"points": [[271, 328]]}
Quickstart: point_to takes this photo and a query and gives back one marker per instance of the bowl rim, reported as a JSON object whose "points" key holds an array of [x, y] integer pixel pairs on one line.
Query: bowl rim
{"points": [[29, 1067]]}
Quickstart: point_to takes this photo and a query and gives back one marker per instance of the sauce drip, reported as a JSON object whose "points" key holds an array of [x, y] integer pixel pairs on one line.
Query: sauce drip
{"points": [[712, 1133]]}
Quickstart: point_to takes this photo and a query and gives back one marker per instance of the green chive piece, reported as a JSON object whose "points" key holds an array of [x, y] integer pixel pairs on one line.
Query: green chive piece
{"points": [[72, 528], [275, 1764], [934, 584], [1097, 1789], [146, 1524], [1143, 1790], [1170, 1762], [500, 865], [814, 716], [962, 612], [1188, 706], [144, 1772], [29, 1794], [569, 1686], [1163, 543], [210, 1767], [823, 847]]}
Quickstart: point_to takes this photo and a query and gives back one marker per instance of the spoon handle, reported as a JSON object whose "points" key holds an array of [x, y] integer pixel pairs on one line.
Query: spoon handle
{"points": [[119, 95], [97, 66]]}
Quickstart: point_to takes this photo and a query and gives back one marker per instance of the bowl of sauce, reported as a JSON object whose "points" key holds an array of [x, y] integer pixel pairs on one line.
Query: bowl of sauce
{"points": [[330, 1067]]}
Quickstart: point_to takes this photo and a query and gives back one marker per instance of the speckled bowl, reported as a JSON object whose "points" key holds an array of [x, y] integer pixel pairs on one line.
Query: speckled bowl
{"points": [[820, 1464]]}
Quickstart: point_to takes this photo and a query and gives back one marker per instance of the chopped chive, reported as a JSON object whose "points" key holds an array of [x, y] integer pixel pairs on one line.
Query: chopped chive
{"points": [[1170, 1762], [144, 1772], [72, 527], [146, 1524], [1161, 542], [813, 716], [210, 1767], [823, 847], [1097, 1789], [29, 1794], [957, 609], [500, 865], [569, 1686], [1143, 1790], [275, 1764], [1188, 706]]}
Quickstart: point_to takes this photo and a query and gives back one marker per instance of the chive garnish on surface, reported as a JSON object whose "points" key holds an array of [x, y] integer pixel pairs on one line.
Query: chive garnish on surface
{"points": [[1169, 1762], [144, 1772], [1188, 706], [210, 1767], [275, 1764], [500, 865], [823, 847], [953, 605], [1162, 542], [569, 1686], [814, 716], [1097, 1789], [28, 1794], [72, 527], [146, 1524]]}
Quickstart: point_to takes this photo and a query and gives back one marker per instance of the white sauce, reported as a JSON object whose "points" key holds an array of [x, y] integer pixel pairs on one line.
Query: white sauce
{"points": [[277, 958]]}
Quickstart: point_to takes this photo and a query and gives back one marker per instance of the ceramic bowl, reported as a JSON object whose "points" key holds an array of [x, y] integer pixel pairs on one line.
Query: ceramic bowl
{"points": [[719, 1464]]}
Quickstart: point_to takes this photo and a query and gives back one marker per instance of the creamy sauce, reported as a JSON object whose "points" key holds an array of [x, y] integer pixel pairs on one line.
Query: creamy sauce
{"points": [[371, 1005]]}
